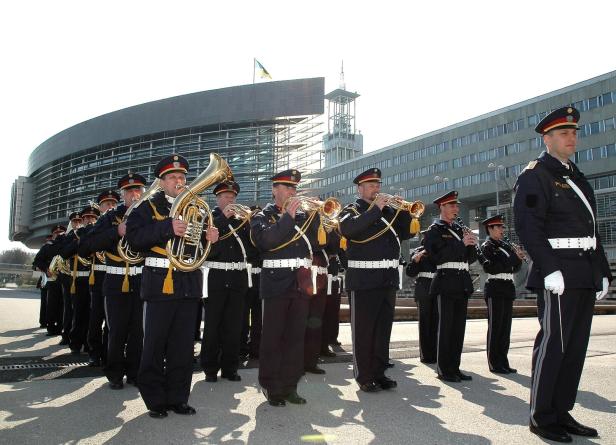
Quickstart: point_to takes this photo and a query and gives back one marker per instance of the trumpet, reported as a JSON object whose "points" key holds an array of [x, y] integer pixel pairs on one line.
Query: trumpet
{"points": [[328, 210], [515, 247], [415, 208], [241, 211]]}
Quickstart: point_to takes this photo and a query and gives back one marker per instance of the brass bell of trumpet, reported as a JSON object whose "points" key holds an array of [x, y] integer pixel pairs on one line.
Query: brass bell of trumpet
{"points": [[328, 210], [241, 211], [187, 253], [415, 208]]}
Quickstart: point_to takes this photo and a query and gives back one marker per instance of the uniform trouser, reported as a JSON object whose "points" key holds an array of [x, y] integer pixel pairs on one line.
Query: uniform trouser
{"points": [[198, 320], [165, 371], [125, 322], [220, 347], [500, 312], [331, 318], [251, 325], [43, 308], [372, 316], [81, 313], [67, 305], [559, 353], [428, 327], [281, 357], [54, 307], [97, 333], [314, 329], [451, 326]]}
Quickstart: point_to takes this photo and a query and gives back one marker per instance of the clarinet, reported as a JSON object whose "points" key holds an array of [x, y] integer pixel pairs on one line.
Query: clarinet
{"points": [[513, 247], [480, 256]]}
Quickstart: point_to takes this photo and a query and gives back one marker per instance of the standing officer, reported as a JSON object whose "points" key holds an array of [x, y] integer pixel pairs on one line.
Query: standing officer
{"points": [[122, 302], [452, 248], [422, 268], [373, 231], [555, 219], [171, 296], [228, 272], [286, 237], [331, 317], [499, 292]]}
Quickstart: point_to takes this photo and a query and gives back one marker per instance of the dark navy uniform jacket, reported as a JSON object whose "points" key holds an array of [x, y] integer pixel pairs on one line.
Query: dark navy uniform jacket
{"points": [[149, 225], [501, 259], [422, 284], [70, 247], [228, 250], [444, 247], [357, 223], [545, 207], [269, 230]]}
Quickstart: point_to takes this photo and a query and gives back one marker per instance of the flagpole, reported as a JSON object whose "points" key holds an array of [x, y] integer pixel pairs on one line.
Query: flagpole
{"points": [[254, 62]]}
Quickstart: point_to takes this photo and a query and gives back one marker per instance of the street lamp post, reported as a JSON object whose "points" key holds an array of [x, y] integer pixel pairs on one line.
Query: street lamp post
{"points": [[497, 169]]}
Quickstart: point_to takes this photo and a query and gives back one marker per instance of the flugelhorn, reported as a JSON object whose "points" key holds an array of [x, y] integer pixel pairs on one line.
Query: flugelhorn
{"points": [[415, 208], [328, 210], [124, 250], [187, 253], [241, 211]]}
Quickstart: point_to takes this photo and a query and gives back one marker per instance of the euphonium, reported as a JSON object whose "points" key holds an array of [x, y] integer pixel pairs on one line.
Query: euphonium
{"points": [[124, 250], [329, 210], [187, 252], [415, 208]]}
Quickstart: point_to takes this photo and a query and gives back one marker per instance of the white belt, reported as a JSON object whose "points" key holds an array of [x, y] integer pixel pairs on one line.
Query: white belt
{"points": [[100, 267], [224, 266], [292, 263], [453, 265], [256, 270], [425, 275], [132, 270], [157, 262], [379, 264], [586, 243], [500, 276], [82, 273]]}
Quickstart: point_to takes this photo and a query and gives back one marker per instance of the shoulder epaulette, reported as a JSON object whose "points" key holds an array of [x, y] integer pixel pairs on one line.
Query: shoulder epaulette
{"points": [[530, 165]]}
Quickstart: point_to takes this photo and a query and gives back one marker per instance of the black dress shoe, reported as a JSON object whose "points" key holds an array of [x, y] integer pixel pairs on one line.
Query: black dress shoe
{"points": [[551, 432], [232, 376], [94, 362], [315, 370], [511, 370], [116, 385], [75, 351], [64, 342], [131, 381], [369, 387], [295, 399], [427, 361], [389, 365], [573, 427], [273, 400], [386, 383], [499, 371], [157, 413], [182, 408], [336, 343], [327, 353], [448, 378], [211, 378], [464, 376]]}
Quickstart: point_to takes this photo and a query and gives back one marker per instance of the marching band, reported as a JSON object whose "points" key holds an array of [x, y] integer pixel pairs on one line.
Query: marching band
{"points": [[124, 281]]}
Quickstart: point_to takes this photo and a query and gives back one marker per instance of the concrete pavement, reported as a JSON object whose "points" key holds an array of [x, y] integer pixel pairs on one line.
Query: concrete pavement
{"points": [[52, 407]]}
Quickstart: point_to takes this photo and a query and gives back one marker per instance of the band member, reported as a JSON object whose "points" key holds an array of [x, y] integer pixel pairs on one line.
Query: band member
{"points": [[120, 287], [331, 317], [452, 248], [423, 269], [503, 260], [97, 328], [228, 271], [79, 286], [555, 219], [286, 237], [373, 231], [171, 296], [43, 262]]}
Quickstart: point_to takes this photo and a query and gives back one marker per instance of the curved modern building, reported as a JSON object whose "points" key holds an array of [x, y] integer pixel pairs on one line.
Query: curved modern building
{"points": [[258, 129]]}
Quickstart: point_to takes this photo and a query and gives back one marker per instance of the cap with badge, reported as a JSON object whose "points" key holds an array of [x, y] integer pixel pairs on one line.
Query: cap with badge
{"points": [[447, 198], [58, 228], [169, 164], [131, 180], [565, 117], [287, 177], [496, 220], [90, 211], [74, 215], [372, 174], [108, 195], [227, 186]]}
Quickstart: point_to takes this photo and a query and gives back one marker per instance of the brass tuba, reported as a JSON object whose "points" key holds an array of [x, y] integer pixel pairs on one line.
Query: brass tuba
{"points": [[328, 210], [187, 253], [124, 250]]}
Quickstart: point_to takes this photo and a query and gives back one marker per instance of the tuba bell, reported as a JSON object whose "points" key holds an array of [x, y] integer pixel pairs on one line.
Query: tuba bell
{"points": [[187, 253], [124, 250]]}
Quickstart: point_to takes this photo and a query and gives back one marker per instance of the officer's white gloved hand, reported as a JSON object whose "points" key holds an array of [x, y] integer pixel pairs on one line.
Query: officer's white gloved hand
{"points": [[555, 282], [601, 294]]}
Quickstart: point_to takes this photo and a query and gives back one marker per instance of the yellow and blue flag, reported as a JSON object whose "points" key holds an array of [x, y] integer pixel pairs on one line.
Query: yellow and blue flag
{"points": [[263, 73]]}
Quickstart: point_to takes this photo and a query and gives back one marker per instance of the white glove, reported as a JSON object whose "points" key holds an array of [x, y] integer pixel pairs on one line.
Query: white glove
{"points": [[555, 282], [601, 294]]}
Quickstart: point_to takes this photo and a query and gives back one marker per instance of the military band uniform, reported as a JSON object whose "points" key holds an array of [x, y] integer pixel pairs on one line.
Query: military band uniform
{"points": [[372, 291], [499, 293], [53, 292], [427, 305], [331, 316], [251, 324], [559, 230], [64, 285]]}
